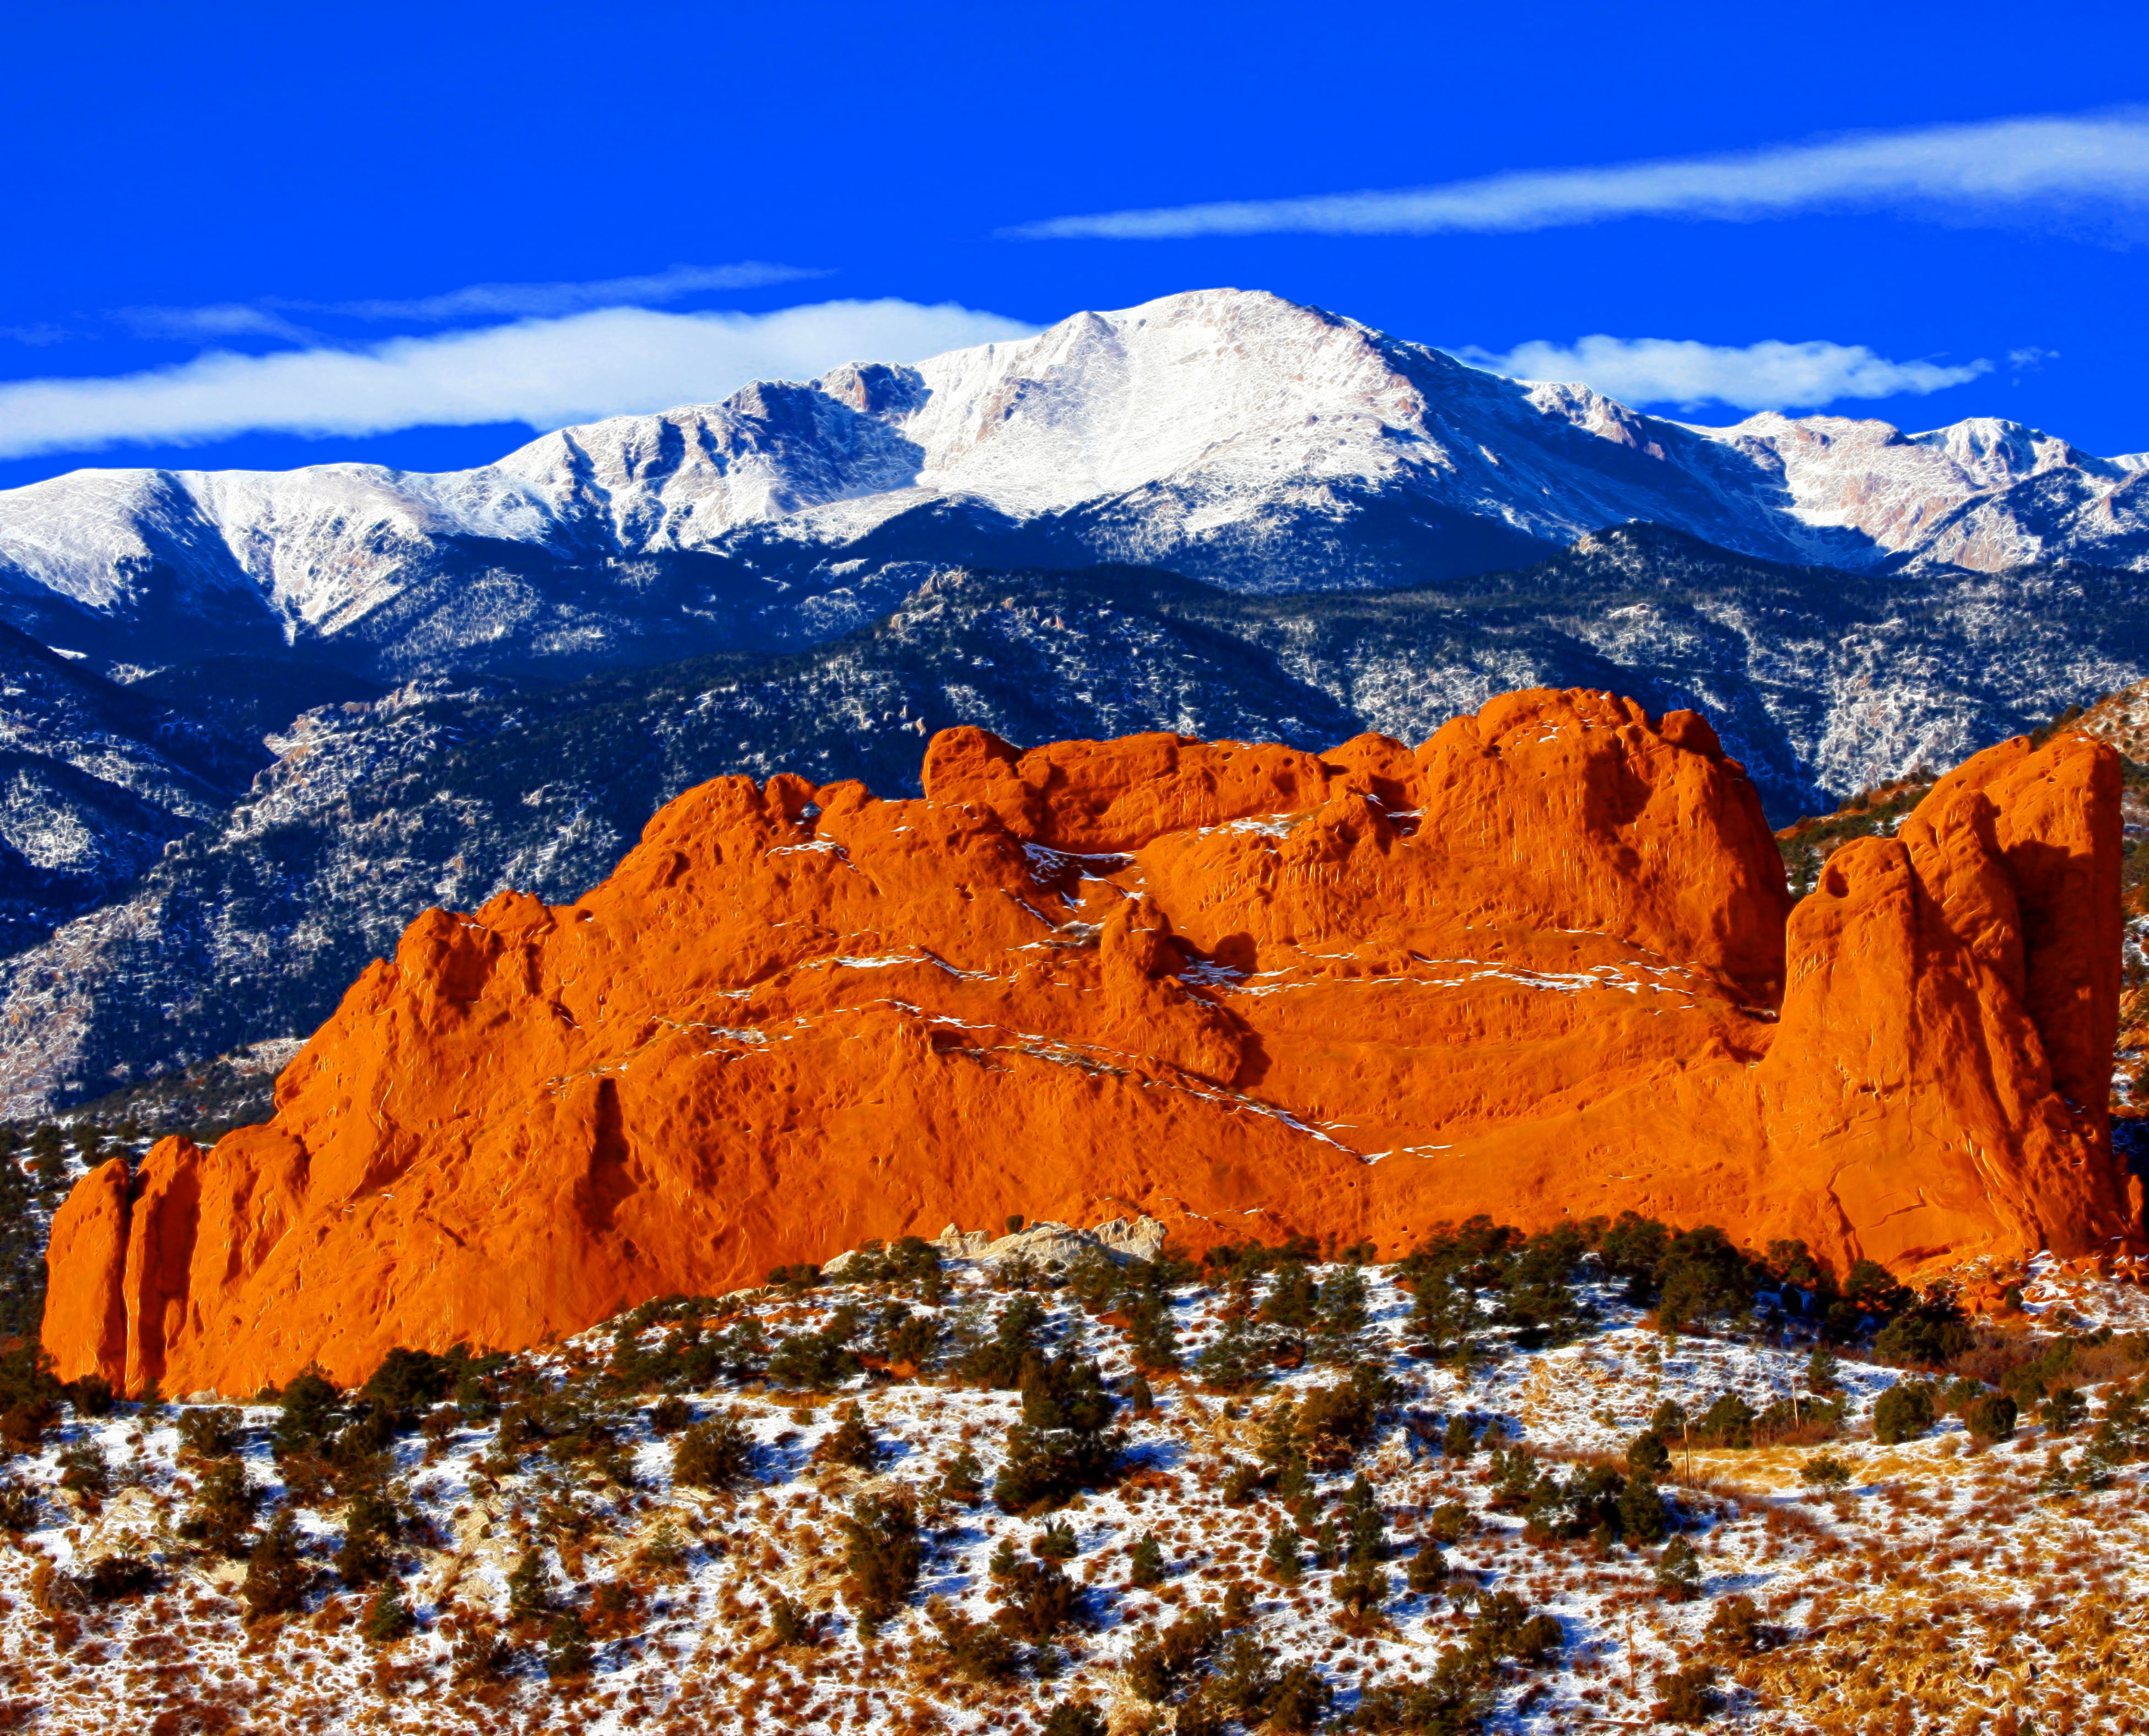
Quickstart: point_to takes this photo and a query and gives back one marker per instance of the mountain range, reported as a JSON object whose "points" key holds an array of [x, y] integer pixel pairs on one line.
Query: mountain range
{"points": [[254, 723]]}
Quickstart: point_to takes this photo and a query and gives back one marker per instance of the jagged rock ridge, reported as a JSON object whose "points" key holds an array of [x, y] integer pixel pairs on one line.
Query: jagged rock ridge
{"points": [[1545, 965]]}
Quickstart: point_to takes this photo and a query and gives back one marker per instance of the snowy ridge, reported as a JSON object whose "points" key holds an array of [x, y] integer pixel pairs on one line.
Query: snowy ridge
{"points": [[1221, 432]]}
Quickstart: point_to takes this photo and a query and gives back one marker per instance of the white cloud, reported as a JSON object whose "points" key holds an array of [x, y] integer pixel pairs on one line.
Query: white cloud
{"points": [[545, 372], [1769, 375], [2095, 169]]}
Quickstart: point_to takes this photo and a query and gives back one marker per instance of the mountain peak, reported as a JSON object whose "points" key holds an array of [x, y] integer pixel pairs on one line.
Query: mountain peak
{"points": [[1231, 435]]}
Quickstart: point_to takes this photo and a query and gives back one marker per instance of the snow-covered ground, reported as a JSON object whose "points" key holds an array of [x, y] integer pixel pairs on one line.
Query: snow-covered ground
{"points": [[1942, 1586]]}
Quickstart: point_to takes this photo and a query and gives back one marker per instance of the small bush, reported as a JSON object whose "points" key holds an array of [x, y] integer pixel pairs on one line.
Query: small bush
{"points": [[1244, 1678], [962, 1480], [529, 1587], [1236, 1360], [21, 1507], [1041, 1601], [1903, 1412], [1427, 1571], [1074, 1718], [791, 1624], [1735, 1627], [1688, 1697], [113, 1577], [84, 1470], [980, 1651], [1361, 1588], [1298, 1700], [669, 1415], [718, 1454], [1991, 1418], [90, 1395], [209, 1431], [1450, 1521], [1825, 1472]]}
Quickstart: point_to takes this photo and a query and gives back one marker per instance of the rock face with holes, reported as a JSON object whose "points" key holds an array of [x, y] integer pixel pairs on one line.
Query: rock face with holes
{"points": [[1544, 965]]}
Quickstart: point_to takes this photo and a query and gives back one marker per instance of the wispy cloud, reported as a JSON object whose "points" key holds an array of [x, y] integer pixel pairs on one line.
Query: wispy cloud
{"points": [[1769, 375], [2008, 168], [267, 317], [496, 300], [207, 324], [543, 372]]}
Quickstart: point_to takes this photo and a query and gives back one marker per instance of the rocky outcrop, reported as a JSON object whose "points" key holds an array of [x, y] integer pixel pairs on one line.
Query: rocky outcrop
{"points": [[1545, 965]]}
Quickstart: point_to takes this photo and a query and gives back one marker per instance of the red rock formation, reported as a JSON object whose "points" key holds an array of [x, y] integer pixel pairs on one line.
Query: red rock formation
{"points": [[1542, 966]]}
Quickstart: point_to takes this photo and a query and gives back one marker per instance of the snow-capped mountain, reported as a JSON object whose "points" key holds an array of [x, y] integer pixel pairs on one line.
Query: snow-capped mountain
{"points": [[1232, 436]]}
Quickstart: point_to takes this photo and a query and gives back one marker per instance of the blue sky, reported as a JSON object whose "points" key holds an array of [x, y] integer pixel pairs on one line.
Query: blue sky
{"points": [[245, 236]]}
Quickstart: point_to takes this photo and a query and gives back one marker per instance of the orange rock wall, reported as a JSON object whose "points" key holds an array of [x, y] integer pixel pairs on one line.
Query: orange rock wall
{"points": [[1544, 965]]}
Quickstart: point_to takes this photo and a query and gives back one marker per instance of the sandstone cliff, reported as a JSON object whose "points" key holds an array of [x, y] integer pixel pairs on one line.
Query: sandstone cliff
{"points": [[1544, 965]]}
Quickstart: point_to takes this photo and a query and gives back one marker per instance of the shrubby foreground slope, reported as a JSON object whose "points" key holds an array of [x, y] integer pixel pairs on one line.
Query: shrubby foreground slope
{"points": [[1540, 968], [967, 1489]]}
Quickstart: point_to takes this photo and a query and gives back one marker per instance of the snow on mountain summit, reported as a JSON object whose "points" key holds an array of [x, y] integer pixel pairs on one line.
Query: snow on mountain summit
{"points": [[1232, 434]]}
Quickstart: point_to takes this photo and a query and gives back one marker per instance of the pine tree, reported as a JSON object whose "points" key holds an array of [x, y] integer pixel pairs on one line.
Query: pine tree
{"points": [[1152, 1335], [1065, 1443], [1821, 1369], [529, 1587], [368, 1540], [1678, 1571], [1640, 1511], [1284, 1554], [1361, 1588], [387, 1616], [568, 1651], [1646, 1455], [882, 1555], [1368, 1539], [312, 1412], [277, 1575], [222, 1510], [1145, 1566], [851, 1441], [1236, 1360]]}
